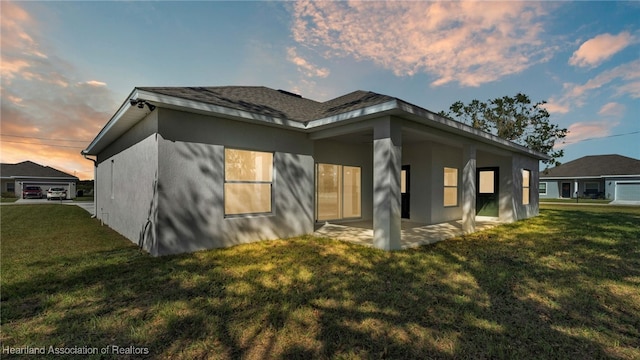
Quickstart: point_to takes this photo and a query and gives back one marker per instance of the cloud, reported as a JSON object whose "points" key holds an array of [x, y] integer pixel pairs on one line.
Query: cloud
{"points": [[612, 109], [623, 80], [308, 69], [600, 48], [466, 42], [49, 113], [586, 130]]}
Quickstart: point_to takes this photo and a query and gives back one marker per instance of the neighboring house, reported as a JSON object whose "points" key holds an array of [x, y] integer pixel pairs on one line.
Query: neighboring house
{"points": [[15, 177], [180, 169], [613, 177]]}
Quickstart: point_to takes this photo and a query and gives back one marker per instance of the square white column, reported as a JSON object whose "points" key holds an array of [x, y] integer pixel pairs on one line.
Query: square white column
{"points": [[387, 164], [469, 189]]}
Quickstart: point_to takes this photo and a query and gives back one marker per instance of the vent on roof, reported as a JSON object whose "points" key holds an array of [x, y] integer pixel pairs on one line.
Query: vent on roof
{"points": [[290, 93]]}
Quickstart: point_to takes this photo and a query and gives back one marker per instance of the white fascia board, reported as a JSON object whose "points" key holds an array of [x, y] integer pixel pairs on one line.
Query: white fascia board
{"points": [[429, 118], [126, 105], [586, 177], [370, 110], [200, 107], [23, 177]]}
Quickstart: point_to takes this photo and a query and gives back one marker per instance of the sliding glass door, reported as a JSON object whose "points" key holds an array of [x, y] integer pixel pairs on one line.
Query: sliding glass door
{"points": [[338, 192]]}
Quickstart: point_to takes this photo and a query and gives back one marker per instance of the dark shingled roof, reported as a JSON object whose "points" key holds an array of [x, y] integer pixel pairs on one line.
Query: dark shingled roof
{"points": [[31, 169], [277, 103], [596, 165]]}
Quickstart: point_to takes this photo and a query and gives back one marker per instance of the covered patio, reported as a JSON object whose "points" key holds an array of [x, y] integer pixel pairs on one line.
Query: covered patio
{"points": [[412, 234]]}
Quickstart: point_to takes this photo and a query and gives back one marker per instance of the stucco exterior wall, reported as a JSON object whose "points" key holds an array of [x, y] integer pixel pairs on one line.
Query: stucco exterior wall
{"points": [[125, 189], [125, 196], [553, 189], [419, 157], [191, 183]]}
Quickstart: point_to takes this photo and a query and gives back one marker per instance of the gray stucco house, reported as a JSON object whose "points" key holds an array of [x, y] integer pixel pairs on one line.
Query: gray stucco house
{"points": [[180, 169], [613, 177], [16, 177]]}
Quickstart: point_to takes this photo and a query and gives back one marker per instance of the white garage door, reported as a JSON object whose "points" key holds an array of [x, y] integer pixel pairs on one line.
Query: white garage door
{"points": [[628, 191]]}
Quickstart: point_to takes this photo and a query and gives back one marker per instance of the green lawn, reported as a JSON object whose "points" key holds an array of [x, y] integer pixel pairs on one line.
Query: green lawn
{"points": [[565, 284], [573, 201]]}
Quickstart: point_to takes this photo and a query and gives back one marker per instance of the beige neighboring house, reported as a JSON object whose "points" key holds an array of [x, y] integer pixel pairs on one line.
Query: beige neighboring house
{"points": [[15, 177], [181, 169]]}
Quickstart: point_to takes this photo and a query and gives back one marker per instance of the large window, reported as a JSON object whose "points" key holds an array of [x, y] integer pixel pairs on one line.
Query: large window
{"points": [[338, 192], [450, 186], [248, 178], [526, 189]]}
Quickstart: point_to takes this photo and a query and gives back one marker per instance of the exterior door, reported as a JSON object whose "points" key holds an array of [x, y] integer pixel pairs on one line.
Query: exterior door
{"points": [[404, 191], [487, 199], [566, 190]]}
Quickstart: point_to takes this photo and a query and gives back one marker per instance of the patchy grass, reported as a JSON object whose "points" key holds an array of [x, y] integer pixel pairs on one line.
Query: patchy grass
{"points": [[563, 285]]}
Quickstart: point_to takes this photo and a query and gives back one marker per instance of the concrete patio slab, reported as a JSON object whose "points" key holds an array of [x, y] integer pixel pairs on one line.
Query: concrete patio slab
{"points": [[412, 234]]}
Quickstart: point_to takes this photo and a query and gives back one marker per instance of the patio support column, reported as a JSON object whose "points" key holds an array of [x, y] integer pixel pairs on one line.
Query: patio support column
{"points": [[469, 189], [387, 163]]}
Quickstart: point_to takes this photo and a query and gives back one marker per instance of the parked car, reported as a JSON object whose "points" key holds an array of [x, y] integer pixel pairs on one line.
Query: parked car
{"points": [[56, 193], [32, 192]]}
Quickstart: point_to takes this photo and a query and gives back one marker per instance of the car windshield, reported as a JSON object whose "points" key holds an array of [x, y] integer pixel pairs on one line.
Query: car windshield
{"points": [[32, 188], [57, 189]]}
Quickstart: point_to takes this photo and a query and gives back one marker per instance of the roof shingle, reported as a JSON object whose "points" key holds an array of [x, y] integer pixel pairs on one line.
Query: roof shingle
{"points": [[276, 103], [596, 165], [31, 169]]}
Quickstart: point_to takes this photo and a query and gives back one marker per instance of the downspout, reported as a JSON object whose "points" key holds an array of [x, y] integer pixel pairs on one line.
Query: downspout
{"points": [[95, 184]]}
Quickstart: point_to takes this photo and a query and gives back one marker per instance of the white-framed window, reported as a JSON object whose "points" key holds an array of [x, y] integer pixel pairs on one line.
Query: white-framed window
{"points": [[542, 188], [450, 187], [11, 186], [526, 186], [248, 181], [338, 192]]}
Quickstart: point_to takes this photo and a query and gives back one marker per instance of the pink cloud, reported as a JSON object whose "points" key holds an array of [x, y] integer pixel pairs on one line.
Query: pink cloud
{"points": [[581, 131], [622, 79], [612, 109], [304, 66], [600, 48], [467, 42], [48, 113]]}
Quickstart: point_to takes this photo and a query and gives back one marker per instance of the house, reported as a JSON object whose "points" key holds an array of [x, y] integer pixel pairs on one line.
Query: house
{"points": [[612, 177], [180, 169], [15, 177]]}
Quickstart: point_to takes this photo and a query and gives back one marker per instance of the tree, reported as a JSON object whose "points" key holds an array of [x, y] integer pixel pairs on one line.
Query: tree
{"points": [[515, 119]]}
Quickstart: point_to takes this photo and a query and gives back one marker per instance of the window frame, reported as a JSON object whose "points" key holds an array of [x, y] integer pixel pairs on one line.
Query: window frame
{"points": [[546, 185], [445, 187], [341, 192], [526, 188], [249, 182]]}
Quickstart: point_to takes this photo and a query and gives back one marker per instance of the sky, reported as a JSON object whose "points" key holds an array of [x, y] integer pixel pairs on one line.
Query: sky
{"points": [[66, 67]]}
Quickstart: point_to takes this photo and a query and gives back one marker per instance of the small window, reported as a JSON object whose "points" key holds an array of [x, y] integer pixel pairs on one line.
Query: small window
{"points": [[112, 178], [248, 179], [542, 188], [450, 187], [11, 187], [526, 190]]}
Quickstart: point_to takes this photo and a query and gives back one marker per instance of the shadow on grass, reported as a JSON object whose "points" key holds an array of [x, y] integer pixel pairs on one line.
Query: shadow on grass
{"points": [[558, 286]]}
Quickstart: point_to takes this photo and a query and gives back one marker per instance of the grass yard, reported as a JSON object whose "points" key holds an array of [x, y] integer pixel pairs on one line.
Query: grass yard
{"points": [[563, 285]]}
